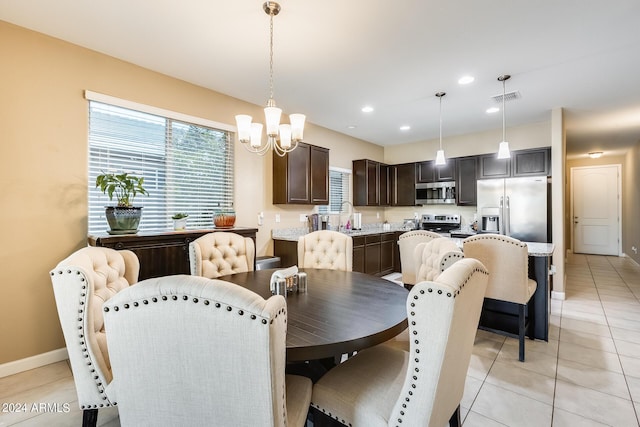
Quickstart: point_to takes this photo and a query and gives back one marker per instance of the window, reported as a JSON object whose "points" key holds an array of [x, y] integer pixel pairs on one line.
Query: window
{"points": [[187, 167], [338, 190]]}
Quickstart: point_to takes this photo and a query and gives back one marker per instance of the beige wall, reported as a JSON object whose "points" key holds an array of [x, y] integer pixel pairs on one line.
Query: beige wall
{"points": [[43, 168], [631, 203]]}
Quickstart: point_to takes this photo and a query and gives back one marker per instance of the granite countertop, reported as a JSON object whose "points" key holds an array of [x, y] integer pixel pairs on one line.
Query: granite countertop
{"points": [[536, 249], [292, 234]]}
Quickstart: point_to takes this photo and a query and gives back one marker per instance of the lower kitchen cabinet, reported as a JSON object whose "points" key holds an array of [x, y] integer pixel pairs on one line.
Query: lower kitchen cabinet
{"points": [[375, 254]]}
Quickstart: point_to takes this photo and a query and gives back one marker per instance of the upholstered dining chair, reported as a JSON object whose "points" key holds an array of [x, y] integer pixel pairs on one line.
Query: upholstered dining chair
{"points": [[326, 249], [81, 283], [384, 386], [189, 351], [220, 253], [407, 243], [507, 260], [432, 258], [435, 256]]}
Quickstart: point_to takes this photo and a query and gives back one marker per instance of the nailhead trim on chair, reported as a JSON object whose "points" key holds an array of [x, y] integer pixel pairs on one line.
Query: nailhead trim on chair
{"points": [[81, 334], [415, 332], [196, 301]]}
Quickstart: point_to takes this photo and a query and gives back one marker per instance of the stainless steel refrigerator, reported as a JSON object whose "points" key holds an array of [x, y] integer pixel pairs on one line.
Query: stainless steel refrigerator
{"points": [[516, 207]]}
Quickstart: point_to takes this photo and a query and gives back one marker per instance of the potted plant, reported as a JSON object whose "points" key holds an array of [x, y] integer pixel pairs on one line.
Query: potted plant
{"points": [[179, 220], [124, 217]]}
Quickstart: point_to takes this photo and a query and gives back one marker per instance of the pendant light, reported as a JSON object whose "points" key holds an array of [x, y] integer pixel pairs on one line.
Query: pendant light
{"points": [[440, 160], [503, 150], [283, 138]]}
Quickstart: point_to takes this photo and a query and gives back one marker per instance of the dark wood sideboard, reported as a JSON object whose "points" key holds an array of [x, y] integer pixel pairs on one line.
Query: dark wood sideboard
{"points": [[161, 253]]}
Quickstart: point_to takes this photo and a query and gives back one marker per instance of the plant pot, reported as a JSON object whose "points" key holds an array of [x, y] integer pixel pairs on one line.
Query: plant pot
{"points": [[123, 220], [224, 218], [179, 224]]}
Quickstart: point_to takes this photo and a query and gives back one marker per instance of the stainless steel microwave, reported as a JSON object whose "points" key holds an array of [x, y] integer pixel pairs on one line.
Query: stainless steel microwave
{"points": [[433, 193]]}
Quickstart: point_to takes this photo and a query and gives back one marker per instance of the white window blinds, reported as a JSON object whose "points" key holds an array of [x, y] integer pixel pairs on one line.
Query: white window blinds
{"points": [[338, 190], [186, 167]]}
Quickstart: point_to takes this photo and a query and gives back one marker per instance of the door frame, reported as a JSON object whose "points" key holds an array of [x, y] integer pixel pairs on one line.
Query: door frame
{"points": [[618, 189]]}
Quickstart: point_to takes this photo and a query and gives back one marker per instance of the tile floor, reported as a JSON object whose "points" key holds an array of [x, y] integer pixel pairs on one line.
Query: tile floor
{"points": [[588, 374]]}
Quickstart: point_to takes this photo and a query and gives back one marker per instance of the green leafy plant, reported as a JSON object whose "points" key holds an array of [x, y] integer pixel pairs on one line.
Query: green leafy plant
{"points": [[124, 186], [180, 215]]}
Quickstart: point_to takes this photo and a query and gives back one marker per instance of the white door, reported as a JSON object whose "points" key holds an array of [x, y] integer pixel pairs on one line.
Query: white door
{"points": [[596, 209]]}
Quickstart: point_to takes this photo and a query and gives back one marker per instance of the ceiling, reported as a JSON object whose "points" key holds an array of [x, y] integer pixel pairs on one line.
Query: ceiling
{"points": [[333, 57]]}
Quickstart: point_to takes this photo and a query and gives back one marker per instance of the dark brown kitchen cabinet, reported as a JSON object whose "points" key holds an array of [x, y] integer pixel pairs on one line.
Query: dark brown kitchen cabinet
{"points": [[427, 171], [466, 181], [384, 185], [301, 176], [366, 182], [388, 249], [533, 162], [402, 183], [160, 253], [372, 254], [530, 162], [358, 254], [489, 166]]}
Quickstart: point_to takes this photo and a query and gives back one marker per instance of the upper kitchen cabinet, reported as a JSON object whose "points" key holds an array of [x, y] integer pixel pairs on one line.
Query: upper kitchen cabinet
{"points": [[427, 171], [402, 187], [302, 176], [489, 166], [531, 162], [466, 173], [535, 162], [366, 183]]}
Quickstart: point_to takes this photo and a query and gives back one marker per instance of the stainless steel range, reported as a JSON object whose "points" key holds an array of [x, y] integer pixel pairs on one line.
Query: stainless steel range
{"points": [[443, 224]]}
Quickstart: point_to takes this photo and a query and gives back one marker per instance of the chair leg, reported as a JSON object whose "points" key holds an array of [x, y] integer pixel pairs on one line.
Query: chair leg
{"points": [[89, 418], [521, 331], [454, 421]]}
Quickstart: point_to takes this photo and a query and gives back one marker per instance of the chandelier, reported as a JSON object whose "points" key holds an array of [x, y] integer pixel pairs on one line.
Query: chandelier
{"points": [[283, 138]]}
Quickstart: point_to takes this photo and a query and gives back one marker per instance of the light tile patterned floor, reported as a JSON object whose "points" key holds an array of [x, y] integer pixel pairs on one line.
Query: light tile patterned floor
{"points": [[588, 374]]}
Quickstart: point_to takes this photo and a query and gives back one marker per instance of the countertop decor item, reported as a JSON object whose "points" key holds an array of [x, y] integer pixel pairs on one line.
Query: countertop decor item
{"points": [[180, 221], [123, 218], [224, 217], [283, 138]]}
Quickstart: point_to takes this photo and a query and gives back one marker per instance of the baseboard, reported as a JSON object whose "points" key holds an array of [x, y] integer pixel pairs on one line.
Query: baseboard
{"points": [[558, 295], [33, 362]]}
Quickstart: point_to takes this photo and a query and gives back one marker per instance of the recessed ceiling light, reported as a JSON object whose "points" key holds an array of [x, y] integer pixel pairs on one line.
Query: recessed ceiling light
{"points": [[351, 127], [595, 154], [405, 127], [492, 110], [367, 109], [465, 80]]}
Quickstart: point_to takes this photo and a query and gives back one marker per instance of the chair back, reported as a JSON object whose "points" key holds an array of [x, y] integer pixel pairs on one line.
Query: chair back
{"points": [[187, 350], [443, 317], [326, 249], [507, 261], [220, 253], [81, 283], [407, 243], [433, 257]]}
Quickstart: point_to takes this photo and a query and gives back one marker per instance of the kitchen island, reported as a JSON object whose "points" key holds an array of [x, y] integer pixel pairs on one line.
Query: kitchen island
{"points": [[375, 251]]}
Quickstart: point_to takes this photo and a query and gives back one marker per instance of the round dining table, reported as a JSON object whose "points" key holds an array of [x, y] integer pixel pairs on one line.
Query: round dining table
{"points": [[341, 311]]}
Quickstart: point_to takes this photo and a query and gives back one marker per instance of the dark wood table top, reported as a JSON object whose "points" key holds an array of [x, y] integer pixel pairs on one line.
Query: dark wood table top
{"points": [[341, 312]]}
